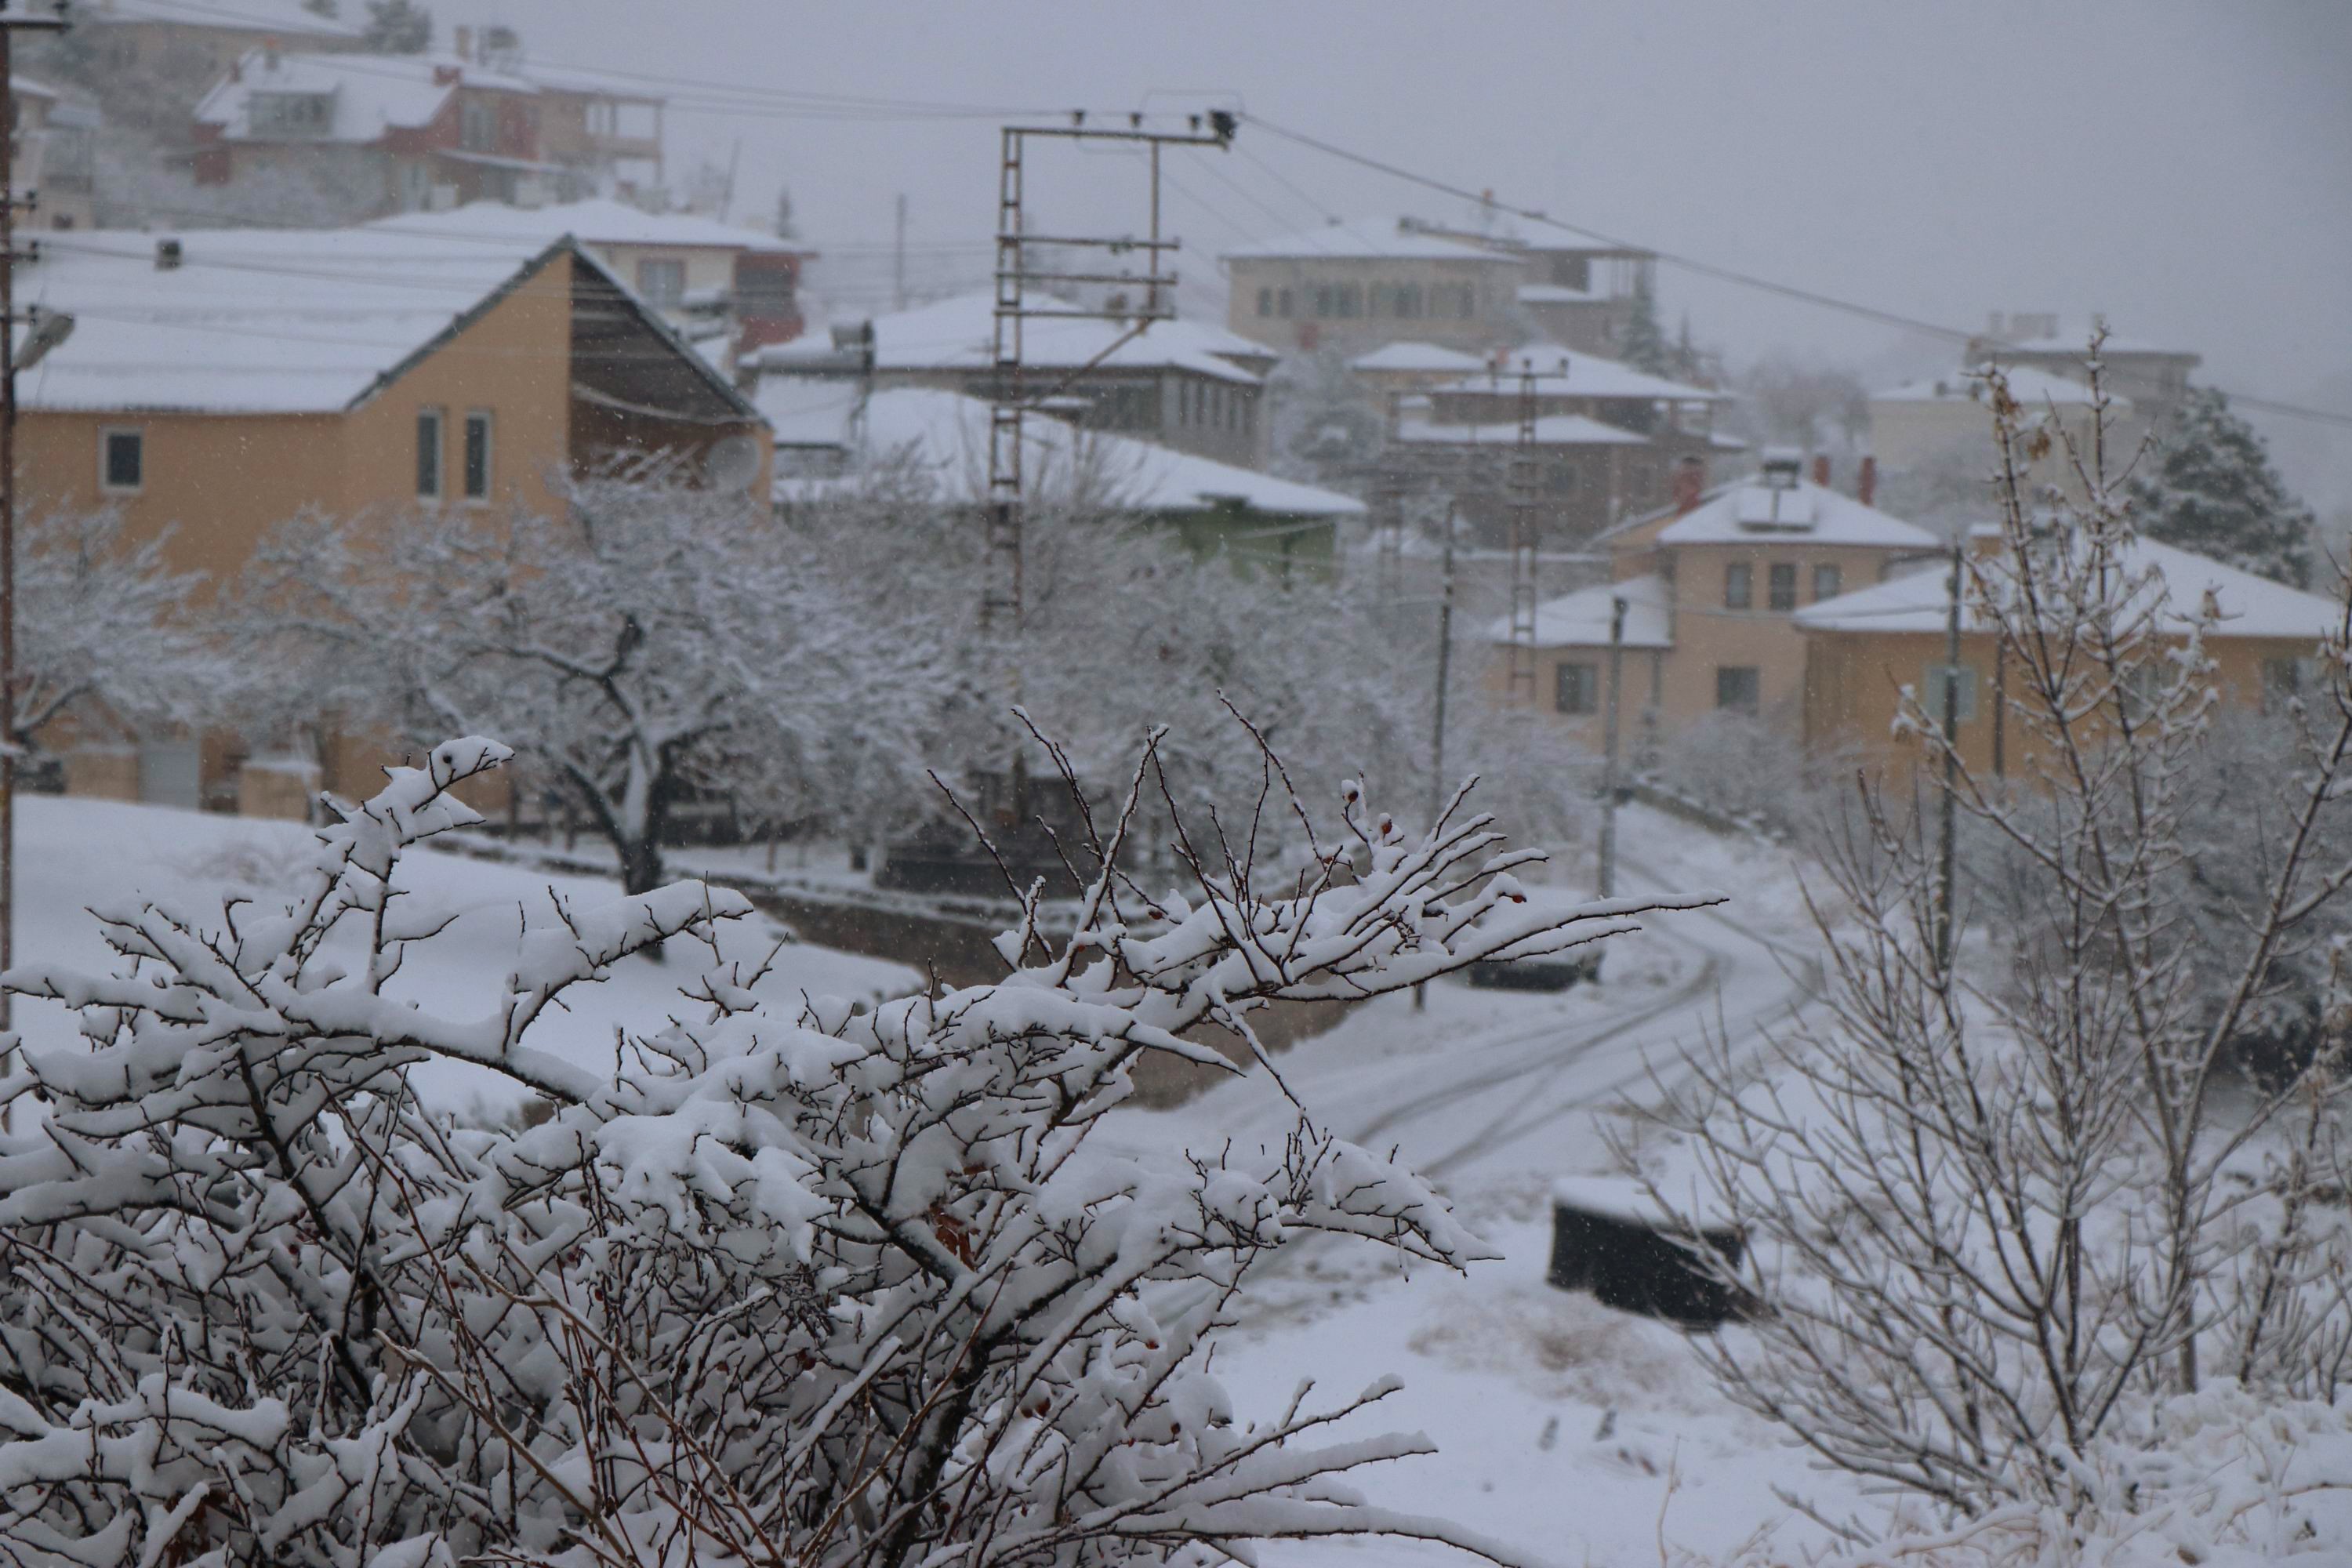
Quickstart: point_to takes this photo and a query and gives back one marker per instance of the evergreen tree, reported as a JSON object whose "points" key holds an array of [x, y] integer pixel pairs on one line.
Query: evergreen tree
{"points": [[398, 28], [785, 227], [319, 7], [1645, 342], [1687, 363], [2213, 491]]}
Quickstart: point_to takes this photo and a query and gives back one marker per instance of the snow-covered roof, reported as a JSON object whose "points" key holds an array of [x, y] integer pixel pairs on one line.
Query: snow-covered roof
{"points": [[808, 410], [2033, 388], [1368, 239], [2249, 605], [369, 93], [1551, 430], [1582, 619], [599, 220], [1567, 372], [1556, 294], [250, 321], [2078, 343], [285, 18], [1427, 358], [959, 334], [1753, 512], [946, 434]]}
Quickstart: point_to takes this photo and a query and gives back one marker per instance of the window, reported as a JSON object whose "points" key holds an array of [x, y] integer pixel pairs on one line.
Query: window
{"points": [[1351, 299], [1780, 586], [1324, 308], [661, 283], [478, 127], [1828, 583], [1931, 692], [289, 113], [1738, 585], [1282, 304], [1265, 302], [478, 455], [2284, 681], [429, 454], [121, 461], [1579, 688], [1737, 689]]}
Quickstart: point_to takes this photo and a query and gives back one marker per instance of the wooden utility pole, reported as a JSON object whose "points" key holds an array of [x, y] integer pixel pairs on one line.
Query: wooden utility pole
{"points": [[1609, 771], [12, 21]]}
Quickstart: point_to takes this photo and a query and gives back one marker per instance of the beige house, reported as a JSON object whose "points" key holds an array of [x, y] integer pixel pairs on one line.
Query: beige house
{"points": [[2150, 375], [1713, 593], [1863, 650], [1941, 427], [218, 383], [1355, 287]]}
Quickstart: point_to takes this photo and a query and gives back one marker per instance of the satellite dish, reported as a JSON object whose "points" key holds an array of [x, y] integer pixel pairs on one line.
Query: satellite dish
{"points": [[731, 464]]}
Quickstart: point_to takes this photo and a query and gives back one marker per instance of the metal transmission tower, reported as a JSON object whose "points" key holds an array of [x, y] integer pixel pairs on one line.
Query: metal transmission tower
{"points": [[1001, 600], [1524, 486], [12, 22]]}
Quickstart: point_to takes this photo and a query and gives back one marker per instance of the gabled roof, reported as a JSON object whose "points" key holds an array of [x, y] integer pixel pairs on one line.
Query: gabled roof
{"points": [[597, 221], [267, 320], [1582, 619], [285, 18], [2249, 605], [1369, 239], [1753, 512], [959, 334], [369, 93], [1551, 430], [1565, 372], [1425, 358], [945, 433], [2032, 387]]}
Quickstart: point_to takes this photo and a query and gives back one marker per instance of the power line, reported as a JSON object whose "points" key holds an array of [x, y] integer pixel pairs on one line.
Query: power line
{"points": [[1711, 269]]}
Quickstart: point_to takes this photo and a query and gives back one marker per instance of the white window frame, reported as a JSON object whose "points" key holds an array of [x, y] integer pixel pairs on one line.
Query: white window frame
{"points": [[106, 435]]}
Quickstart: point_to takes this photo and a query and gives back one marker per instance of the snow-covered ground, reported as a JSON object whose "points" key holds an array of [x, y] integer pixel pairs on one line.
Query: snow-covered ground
{"points": [[1576, 1433]]}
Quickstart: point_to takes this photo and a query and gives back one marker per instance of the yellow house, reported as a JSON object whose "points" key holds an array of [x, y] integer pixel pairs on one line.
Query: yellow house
{"points": [[1863, 648], [216, 384], [1713, 591]]}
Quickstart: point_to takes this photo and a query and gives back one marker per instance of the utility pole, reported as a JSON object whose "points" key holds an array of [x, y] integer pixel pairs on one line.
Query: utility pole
{"points": [[1437, 790], [899, 258], [1951, 766], [1609, 771], [12, 21], [1524, 528]]}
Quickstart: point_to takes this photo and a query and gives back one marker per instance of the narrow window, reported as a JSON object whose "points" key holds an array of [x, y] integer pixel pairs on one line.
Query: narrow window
{"points": [[429, 454], [1738, 585], [1283, 302], [1579, 688], [478, 455], [1828, 583], [1265, 302], [1737, 689], [121, 461], [1780, 586]]}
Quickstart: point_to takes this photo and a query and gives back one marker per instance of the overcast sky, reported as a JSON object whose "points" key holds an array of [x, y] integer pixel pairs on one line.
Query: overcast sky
{"points": [[2185, 168]]}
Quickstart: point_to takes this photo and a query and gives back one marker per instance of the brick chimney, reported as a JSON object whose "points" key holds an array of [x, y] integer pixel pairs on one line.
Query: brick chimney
{"points": [[1866, 482], [1690, 484], [1821, 469]]}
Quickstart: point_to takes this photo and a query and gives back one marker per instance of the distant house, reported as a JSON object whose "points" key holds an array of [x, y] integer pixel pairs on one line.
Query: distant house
{"points": [[695, 270], [1355, 287], [1252, 519], [2150, 375], [1408, 369], [200, 39], [217, 383], [1863, 649], [1180, 385], [405, 133], [1714, 592], [55, 154]]}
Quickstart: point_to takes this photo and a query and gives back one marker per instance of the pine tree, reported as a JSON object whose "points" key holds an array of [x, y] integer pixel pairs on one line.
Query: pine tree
{"points": [[398, 28], [1645, 342], [2213, 491], [785, 227]]}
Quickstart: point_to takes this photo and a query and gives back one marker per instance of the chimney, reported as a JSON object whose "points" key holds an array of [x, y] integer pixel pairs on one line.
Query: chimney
{"points": [[465, 39], [1866, 481], [1821, 469], [167, 255], [1690, 483]]}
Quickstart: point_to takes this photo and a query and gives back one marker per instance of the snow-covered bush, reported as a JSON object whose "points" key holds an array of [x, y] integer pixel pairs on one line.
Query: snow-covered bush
{"points": [[1750, 771], [796, 1283]]}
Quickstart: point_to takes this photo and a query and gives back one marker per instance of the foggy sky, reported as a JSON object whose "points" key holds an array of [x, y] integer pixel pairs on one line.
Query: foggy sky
{"points": [[2185, 168]]}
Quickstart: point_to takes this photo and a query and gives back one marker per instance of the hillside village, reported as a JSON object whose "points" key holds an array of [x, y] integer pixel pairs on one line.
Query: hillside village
{"points": [[680, 888]]}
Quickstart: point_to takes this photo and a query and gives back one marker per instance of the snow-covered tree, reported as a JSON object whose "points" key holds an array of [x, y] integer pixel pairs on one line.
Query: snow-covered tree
{"points": [[2009, 1188], [1644, 347], [398, 27], [2211, 489], [107, 633], [795, 1283], [648, 643]]}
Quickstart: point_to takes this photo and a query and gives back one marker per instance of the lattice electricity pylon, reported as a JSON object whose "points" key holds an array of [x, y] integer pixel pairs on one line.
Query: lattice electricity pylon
{"points": [[1523, 485], [1009, 399]]}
